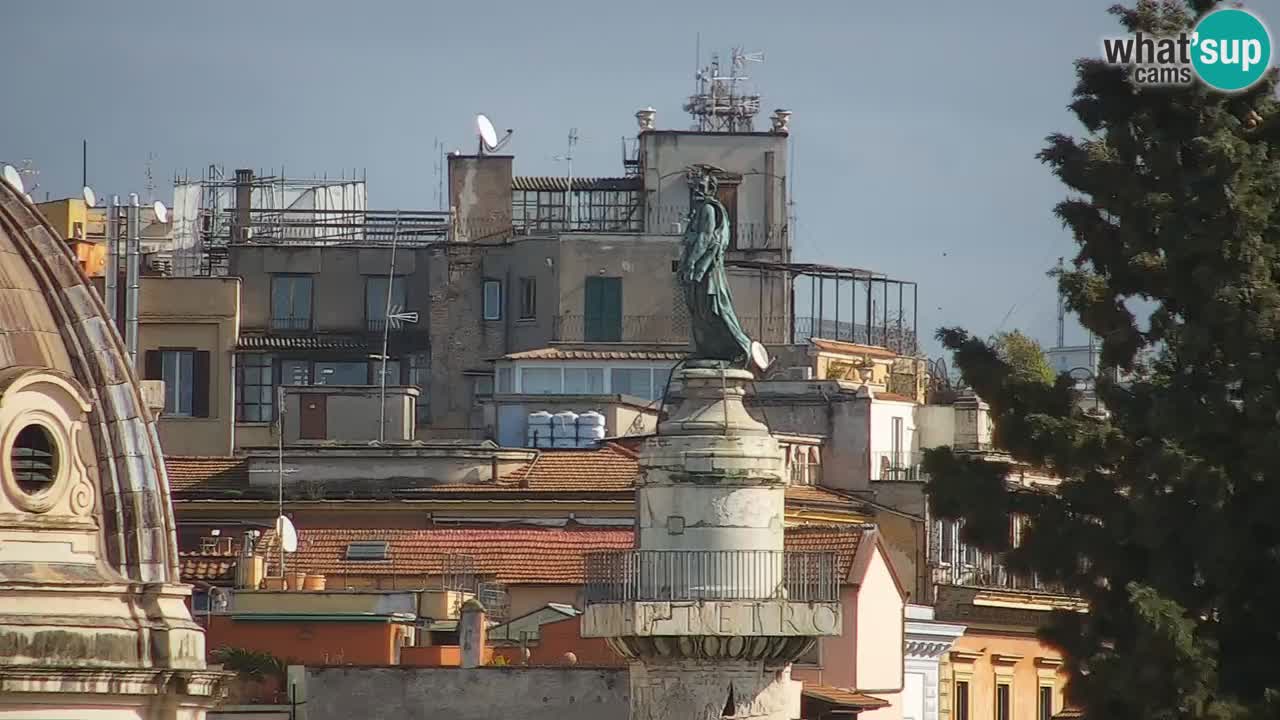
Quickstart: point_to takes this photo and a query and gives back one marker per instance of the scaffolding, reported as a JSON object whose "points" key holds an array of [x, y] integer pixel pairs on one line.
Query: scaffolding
{"points": [[215, 212]]}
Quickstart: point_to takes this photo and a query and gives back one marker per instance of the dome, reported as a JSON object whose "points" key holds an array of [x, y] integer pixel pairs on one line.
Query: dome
{"points": [[53, 323]]}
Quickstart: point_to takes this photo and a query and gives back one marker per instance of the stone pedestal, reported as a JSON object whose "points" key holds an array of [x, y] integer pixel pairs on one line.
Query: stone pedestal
{"points": [[693, 690]]}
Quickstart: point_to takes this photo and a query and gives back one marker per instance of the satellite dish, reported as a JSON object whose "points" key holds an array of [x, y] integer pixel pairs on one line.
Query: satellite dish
{"points": [[488, 135], [162, 212], [90, 199], [288, 535], [760, 356], [14, 179]]}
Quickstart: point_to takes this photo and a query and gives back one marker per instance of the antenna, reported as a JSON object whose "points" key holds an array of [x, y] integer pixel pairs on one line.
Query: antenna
{"points": [[489, 141], [162, 212], [90, 198], [1062, 313], [717, 105], [150, 184], [568, 193], [288, 534]]}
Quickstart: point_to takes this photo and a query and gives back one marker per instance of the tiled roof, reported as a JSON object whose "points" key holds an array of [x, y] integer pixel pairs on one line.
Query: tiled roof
{"points": [[816, 494], [193, 474], [512, 555], [267, 341], [213, 568], [608, 468], [845, 699], [838, 346], [553, 353], [560, 183]]}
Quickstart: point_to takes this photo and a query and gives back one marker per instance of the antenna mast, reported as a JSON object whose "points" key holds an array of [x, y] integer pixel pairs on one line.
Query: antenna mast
{"points": [[718, 105], [1062, 313]]}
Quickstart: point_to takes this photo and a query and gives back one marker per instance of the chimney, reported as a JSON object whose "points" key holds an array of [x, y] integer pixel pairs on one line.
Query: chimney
{"points": [[241, 221], [645, 118], [480, 197], [471, 633]]}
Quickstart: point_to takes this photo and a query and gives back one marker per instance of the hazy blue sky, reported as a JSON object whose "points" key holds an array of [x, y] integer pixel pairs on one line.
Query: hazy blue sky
{"points": [[915, 129]]}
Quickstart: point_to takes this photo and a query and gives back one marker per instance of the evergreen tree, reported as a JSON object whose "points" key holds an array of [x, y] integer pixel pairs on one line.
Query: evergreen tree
{"points": [[1168, 518]]}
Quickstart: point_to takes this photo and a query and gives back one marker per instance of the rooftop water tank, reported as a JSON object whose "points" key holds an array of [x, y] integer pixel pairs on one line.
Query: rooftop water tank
{"points": [[564, 429], [591, 428], [539, 430]]}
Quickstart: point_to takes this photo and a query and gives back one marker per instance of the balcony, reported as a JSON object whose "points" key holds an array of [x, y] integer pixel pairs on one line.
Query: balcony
{"points": [[661, 329], [984, 570], [639, 576], [897, 466], [291, 324]]}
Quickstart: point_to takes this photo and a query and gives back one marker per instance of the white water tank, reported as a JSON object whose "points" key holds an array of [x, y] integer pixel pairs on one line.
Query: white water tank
{"points": [[564, 429], [539, 432], [590, 429]]}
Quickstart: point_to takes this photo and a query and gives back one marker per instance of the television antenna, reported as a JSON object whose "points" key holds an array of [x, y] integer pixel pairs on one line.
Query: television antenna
{"points": [[489, 141], [90, 198], [161, 212], [718, 105], [14, 178], [395, 314], [568, 193]]}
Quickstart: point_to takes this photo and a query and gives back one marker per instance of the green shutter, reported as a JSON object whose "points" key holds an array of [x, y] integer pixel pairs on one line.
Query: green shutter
{"points": [[603, 311]]}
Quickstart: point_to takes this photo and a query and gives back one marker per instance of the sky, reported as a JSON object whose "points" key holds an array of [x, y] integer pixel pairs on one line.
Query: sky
{"points": [[914, 132]]}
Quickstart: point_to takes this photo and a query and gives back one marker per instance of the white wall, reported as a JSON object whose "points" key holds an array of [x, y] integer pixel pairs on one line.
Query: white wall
{"points": [[882, 414], [935, 426]]}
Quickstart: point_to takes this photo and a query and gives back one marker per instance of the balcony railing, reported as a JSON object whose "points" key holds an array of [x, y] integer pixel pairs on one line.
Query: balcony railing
{"points": [[291, 323], [629, 328], [698, 575], [899, 465], [980, 569]]}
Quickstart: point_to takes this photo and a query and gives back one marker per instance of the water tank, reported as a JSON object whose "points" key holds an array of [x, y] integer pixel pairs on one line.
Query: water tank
{"points": [[564, 429], [539, 432], [590, 428]]}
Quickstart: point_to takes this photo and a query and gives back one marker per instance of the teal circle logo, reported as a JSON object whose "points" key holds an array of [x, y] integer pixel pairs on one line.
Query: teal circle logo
{"points": [[1231, 49]]}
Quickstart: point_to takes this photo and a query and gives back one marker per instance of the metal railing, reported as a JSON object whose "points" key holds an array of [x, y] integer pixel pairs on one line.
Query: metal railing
{"points": [[897, 465], [989, 571], [291, 323], [630, 328], [294, 226], [697, 575]]}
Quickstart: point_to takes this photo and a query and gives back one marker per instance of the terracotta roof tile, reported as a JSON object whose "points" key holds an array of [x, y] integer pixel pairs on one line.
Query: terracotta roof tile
{"points": [[610, 467], [512, 555], [816, 494], [213, 568], [268, 341], [194, 474], [555, 353], [560, 183], [842, 698]]}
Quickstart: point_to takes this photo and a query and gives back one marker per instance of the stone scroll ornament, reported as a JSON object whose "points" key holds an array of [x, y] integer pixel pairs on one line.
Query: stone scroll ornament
{"points": [[718, 337]]}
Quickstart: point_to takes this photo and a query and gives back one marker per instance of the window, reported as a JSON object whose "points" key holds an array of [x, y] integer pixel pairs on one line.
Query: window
{"points": [[813, 656], [420, 376], [899, 462], [584, 381], [291, 302], [503, 380], [342, 373], [375, 300], [637, 382], [492, 299], [483, 386], [186, 380], [255, 392], [541, 381], [962, 700], [1045, 706], [1003, 707], [602, 314], [393, 372], [947, 547], [295, 372], [528, 299], [34, 460], [727, 194]]}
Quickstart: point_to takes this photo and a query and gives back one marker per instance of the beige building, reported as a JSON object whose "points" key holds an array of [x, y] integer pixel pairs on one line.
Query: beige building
{"points": [[94, 622]]}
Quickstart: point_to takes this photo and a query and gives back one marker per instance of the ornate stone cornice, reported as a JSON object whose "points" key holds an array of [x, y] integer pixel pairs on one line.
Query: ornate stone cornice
{"points": [[197, 686], [927, 649], [711, 647]]}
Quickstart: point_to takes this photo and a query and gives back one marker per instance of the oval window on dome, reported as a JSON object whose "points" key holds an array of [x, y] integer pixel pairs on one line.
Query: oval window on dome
{"points": [[34, 460]]}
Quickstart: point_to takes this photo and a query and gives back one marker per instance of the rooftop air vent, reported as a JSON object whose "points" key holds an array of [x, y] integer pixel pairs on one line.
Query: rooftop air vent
{"points": [[369, 551]]}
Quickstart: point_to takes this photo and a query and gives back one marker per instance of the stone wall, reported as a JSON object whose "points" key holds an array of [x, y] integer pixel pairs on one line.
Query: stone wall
{"points": [[377, 693]]}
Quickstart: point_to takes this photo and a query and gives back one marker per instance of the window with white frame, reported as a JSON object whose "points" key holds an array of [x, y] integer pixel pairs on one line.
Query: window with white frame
{"points": [[584, 380], [542, 380], [492, 299], [503, 380], [637, 382]]}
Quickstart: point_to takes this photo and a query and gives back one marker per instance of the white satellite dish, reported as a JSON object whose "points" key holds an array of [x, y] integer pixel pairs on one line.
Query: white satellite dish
{"points": [[14, 178], [90, 199], [288, 535], [488, 135], [162, 212], [760, 356]]}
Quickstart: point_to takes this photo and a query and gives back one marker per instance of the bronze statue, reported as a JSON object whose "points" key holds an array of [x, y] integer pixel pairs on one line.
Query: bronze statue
{"points": [[717, 334]]}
